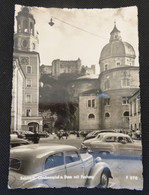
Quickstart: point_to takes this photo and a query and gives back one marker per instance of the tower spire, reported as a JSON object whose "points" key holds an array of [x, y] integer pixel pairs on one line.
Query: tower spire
{"points": [[115, 34]]}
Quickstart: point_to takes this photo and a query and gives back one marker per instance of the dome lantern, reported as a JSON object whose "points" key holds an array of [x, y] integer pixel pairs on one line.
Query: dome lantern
{"points": [[115, 34]]}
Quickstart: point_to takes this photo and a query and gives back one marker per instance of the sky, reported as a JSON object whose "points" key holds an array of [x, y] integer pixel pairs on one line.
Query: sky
{"points": [[65, 41]]}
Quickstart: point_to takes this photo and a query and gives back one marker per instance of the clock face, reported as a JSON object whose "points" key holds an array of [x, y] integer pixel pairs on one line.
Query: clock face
{"points": [[24, 60], [24, 43]]}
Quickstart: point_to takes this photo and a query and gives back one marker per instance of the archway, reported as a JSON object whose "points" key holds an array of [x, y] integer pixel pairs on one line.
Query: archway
{"points": [[33, 126]]}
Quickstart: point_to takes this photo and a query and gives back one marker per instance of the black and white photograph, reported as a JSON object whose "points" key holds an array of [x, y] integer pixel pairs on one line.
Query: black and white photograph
{"points": [[75, 110]]}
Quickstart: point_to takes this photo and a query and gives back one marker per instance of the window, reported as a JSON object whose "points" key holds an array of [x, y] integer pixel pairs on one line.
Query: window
{"points": [[107, 84], [25, 26], [91, 103], [126, 113], [72, 157], [106, 67], [31, 28], [125, 82], [28, 69], [15, 164], [125, 100], [107, 114], [91, 116], [110, 139], [28, 112], [107, 101], [135, 107], [28, 98], [28, 83], [118, 63], [54, 161]]}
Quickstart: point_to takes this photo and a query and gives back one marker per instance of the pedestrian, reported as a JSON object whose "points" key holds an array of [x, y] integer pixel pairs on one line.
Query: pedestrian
{"points": [[36, 138]]}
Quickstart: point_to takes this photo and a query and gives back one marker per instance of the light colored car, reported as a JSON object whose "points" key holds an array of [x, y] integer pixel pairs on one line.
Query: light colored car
{"points": [[114, 143], [46, 166]]}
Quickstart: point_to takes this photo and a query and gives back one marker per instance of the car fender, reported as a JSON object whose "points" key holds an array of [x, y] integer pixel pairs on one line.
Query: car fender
{"points": [[95, 174]]}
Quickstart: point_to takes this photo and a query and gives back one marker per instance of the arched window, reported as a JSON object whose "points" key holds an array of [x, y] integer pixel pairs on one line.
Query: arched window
{"points": [[25, 27], [91, 116], [131, 127], [107, 114], [126, 113], [31, 28], [135, 127]]}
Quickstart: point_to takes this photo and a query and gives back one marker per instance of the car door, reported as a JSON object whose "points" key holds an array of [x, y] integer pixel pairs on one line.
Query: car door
{"points": [[55, 171], [125, 146], [74, 169]]}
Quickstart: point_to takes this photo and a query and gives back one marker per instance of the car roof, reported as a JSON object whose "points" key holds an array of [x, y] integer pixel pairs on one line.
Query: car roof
{"points": [[114, 134], [41, 150], [32, 157]]}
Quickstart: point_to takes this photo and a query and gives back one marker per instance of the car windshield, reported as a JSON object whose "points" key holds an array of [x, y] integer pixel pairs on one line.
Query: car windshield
{"points": [[15, 164]]}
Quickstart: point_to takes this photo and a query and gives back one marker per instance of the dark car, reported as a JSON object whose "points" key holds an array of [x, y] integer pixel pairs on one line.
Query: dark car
{"points": [[18, 142], [46, 166]]}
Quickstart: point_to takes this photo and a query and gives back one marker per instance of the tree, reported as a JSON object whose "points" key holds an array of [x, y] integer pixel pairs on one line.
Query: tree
{"points": [[55, 96]]}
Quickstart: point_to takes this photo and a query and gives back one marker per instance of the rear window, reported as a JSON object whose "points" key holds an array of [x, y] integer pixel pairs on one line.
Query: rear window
{"points": [[15, 164]]}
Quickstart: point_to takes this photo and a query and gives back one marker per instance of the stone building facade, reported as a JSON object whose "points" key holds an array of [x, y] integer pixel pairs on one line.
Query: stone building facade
{"points": [[17, 95], [25, 49], [135, 112], [118, 80], [60, 66]]}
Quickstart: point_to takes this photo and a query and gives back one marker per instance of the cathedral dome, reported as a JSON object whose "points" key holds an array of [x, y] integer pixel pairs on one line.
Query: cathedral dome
{"points": [[117, 49]]}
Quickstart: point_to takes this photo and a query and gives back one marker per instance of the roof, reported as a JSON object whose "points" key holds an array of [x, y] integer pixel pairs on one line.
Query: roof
{"points": [[89, 92], [117, 48], [90, 76], [114, 29]]}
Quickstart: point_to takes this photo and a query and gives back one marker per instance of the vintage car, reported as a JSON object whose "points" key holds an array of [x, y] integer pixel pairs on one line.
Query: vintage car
{"points": [[94, 134], [114, 143], [14, 142], [41, 165]]}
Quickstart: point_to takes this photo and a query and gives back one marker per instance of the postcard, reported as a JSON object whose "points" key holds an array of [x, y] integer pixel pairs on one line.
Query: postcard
{"points": [[75, 115]]}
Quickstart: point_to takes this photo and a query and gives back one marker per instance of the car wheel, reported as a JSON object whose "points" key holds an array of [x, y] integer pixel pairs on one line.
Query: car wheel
{"points": [[104, 180]]}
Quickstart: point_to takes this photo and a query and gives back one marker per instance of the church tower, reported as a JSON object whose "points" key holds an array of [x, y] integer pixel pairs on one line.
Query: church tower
{"points": [[25, 49], [119, 80]]}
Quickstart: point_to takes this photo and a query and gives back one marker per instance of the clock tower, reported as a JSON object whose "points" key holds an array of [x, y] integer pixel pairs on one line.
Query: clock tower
{"points": [[25, 49], [25, 39]]}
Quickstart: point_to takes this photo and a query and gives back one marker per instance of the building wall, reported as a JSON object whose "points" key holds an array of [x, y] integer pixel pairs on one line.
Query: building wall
{"points": [[17, 96], [86, 123], [116, 76], [135, 112], [116, 109], [116, 62]]}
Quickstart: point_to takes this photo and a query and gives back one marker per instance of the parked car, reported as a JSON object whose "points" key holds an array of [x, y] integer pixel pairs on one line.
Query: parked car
{"points": [[53, 165], [114, 143], [83, 133], [14, 141], [93, 134]]}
